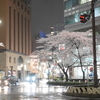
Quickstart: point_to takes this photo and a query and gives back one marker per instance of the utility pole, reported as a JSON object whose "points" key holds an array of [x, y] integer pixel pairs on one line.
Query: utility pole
{"points": [[94, 44]]}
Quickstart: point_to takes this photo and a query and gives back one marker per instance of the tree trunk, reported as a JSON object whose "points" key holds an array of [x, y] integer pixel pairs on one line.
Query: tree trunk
{"points": [[82, 70], [66, 76], [83, 76]]}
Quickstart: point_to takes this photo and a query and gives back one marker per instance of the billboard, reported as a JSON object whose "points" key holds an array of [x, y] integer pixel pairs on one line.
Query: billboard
{"points": [[61, 46]]}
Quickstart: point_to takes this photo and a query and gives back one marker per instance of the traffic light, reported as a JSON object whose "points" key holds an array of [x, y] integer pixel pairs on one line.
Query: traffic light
{"points": [[84, 18]]}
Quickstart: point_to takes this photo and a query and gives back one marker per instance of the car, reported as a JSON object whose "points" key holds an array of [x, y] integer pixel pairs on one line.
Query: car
{"points": [[4, 82], [31, 78], [8, 80]]}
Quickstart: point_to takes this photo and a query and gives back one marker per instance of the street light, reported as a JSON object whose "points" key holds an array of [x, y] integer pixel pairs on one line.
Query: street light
{"points": [[94, 43], [84, 20], [0, 21]]}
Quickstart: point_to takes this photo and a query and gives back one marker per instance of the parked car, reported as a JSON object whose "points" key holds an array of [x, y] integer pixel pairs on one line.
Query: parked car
{"points": [[4, 82], [8, 80]]}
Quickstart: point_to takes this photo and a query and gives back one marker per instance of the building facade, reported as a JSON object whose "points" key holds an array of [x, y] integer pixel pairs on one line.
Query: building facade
{"points": [[15, 34], [54, 29], [74, 8], [72, 11]]}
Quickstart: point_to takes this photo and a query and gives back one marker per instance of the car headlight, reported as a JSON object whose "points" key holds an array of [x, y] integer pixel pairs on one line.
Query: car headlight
{"points": [[5, 81], [28, 78], [33, 78]]}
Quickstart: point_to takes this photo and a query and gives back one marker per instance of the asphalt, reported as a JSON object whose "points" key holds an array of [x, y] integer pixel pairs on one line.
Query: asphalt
{"points": [[37, 91]]}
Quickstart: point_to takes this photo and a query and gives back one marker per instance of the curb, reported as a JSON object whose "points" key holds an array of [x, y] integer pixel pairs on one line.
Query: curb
{"points": [[82, 91]]}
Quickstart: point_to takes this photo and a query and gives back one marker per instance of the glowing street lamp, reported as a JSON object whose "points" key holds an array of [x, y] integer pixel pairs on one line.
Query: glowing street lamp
{"points": [[0, 21]]}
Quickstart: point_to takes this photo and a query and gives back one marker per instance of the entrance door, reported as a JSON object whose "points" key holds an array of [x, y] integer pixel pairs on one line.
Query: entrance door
{"points": [[19, 75]]}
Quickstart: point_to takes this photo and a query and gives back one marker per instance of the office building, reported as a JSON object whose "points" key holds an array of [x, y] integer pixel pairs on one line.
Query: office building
{"points": [[15, 34], [74, 8]]}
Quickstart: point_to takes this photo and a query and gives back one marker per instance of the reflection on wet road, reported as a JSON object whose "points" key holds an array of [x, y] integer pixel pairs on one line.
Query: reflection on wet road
{"points": [[35, 91]]}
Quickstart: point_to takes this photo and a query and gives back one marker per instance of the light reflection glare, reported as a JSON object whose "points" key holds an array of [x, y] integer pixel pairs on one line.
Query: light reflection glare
{"points": [[4, 89], [0, 21], [0, 89], [28, 87]]}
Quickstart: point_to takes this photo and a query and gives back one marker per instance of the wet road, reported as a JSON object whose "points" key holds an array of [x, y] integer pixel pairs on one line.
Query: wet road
{"points": [[35, 91]]}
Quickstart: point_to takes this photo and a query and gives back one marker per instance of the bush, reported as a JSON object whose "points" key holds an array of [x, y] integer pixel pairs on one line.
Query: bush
{"points": [[67, 83]]}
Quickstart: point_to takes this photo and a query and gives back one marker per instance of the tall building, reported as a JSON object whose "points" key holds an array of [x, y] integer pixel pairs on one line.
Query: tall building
{"points": [[15, 34]]}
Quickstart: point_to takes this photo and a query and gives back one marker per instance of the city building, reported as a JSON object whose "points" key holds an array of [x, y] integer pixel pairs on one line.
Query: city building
{"points": [[54, 29], [15, 34], [72, 11]]}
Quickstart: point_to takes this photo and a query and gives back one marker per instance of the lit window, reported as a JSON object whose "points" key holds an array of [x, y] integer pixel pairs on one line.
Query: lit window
{"points": [[83, 1], [14, 60]]}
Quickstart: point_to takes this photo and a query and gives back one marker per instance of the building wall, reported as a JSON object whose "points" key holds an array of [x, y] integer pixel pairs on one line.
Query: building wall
{"points": [[2, 60], [80, 9], [15, 33], [15, 25]]}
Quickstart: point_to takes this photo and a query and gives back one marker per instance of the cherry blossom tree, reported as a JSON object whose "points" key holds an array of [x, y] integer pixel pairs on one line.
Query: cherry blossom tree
{"points": [[77, 46]]}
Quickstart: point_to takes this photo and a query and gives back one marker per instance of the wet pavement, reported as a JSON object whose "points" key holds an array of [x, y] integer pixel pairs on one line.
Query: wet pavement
{"points": [[36, 91]]}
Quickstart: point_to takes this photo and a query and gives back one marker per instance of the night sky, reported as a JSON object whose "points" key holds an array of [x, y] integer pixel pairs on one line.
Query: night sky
{"points": [[46, 13]]}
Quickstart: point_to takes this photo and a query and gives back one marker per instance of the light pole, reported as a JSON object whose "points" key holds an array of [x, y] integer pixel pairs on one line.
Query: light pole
{"points": [[84, 18], [94, 44]]}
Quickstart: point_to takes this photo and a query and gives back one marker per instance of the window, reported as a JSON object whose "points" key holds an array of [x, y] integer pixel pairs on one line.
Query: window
{"points": [[78, 2], [14, 60], [10, 17], [83, 1], [97, 12], [21, 6], [70, 19], [9, 59], [68, 4], [18, 29], [72, 3], [18, 4], [74, 18], [28, 2], [25, 9], [14, 1], [22, 31], [28, 12], [14, 22]]}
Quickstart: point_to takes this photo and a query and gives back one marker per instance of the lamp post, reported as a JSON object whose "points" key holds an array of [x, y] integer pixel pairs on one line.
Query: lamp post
{"points": [[94, 44]]}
